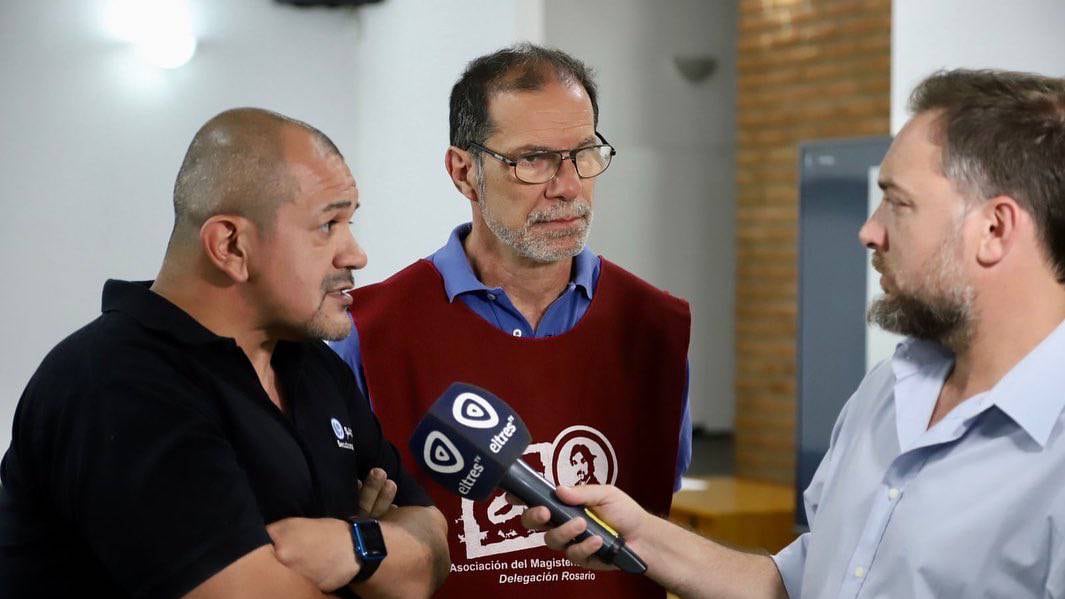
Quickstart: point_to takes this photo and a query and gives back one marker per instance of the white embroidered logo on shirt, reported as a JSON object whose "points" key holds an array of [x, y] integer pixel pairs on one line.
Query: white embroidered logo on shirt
{"points": [[344, 435]]}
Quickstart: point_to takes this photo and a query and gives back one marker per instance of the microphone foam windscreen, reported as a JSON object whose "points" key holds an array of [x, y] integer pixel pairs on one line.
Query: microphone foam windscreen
{"points": [[468, 439]]}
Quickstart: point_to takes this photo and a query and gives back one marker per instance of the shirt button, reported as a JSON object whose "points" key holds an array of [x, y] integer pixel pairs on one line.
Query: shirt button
{"points": [[491, 297], [517, 332], [859, 572], [893, 494]]}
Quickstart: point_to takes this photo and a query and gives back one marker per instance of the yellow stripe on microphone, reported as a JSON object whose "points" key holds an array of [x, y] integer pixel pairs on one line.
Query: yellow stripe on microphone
{"points": [[601, 523]]}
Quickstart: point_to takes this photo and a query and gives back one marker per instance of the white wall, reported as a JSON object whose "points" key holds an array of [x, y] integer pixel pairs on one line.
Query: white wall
{"points": [[409, 54], [666, 208], [92, 139], [1024, 35]]}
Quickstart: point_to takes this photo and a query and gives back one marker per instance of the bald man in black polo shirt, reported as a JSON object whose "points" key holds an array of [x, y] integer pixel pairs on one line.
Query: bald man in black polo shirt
{"points": [[198, 439]]}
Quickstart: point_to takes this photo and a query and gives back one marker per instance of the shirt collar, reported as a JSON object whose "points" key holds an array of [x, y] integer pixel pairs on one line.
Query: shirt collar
{"points": [[454, 266], [915, 355], [920, 367], [1030, 393], [153, 311]]}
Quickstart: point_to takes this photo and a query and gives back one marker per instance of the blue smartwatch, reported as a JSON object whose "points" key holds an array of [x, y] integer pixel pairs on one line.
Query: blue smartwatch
{"points": [[369, 546]]}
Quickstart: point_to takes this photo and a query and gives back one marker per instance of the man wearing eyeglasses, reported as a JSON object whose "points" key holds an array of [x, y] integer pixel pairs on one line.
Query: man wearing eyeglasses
{"points": [[587, 353]]}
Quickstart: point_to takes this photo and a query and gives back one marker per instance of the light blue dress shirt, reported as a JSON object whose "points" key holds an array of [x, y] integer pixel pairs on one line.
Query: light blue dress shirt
{"points": [[493, 305], [973, 507]]}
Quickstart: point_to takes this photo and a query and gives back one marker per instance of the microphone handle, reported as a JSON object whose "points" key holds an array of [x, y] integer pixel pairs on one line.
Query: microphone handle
{"points": [[526, 484]]}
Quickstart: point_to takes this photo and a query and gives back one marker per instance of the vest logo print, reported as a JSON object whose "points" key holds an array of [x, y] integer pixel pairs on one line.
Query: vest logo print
{"points": [[472, 410], [578, 455], [345, 437], [441, 455]]}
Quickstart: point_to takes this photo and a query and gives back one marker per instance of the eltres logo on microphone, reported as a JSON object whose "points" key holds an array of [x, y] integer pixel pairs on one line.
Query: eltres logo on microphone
{"points": [[474, 411], [467, 440], [441, 455]]}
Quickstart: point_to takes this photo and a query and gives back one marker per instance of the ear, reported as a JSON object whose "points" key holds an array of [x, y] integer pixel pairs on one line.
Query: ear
{"points": [[998, 220], [224, 239], [460, 167]]}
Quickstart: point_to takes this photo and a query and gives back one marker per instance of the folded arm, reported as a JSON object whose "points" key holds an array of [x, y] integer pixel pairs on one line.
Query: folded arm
{"points": [[418, 559], [321, 550], [259, 574]]}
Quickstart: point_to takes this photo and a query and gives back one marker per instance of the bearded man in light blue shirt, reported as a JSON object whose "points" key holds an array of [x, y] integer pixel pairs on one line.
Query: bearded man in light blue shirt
{"points": [[943, 477]]}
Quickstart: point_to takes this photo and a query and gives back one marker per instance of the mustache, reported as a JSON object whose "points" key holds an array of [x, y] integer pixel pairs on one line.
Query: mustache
{"points": [[878, 263], [575, 209], [345, 280]]}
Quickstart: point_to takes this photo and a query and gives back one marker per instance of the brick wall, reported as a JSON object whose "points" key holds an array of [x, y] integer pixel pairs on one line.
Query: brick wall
{"points": [[808, 69]]}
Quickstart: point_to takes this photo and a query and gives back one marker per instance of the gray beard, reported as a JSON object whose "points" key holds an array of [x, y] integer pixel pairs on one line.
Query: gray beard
{"points": [[943, 315], [539, 248], [934, 319], [321, 326]]}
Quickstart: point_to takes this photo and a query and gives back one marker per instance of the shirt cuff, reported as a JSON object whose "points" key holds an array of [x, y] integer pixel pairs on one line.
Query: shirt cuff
{"points": [[791, 562]]}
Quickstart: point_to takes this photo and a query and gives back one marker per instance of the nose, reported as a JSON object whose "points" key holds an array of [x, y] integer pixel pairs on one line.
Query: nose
{"points": [[872, 234], [566, 185], [351, 256]]}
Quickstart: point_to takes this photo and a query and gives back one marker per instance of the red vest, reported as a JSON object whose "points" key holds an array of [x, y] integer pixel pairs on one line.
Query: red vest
{"points": [[602, 402]]}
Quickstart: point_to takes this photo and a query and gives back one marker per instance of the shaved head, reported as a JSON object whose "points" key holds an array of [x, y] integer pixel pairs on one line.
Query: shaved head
{"points": [[262, 243], [236, 165]]}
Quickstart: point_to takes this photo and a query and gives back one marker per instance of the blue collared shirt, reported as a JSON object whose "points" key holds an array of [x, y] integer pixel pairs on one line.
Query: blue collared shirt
{"points": [[971, 507], [493, 305]]}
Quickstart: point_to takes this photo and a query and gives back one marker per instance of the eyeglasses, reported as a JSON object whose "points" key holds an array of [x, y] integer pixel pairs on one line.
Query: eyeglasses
{"points": [[541, 167]]}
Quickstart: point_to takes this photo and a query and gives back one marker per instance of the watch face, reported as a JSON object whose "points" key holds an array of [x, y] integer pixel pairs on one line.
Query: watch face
{"points": [[371, 540]]}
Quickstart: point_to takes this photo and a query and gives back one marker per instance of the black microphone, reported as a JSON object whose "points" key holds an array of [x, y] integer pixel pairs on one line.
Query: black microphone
{"points": [[471, 442]]}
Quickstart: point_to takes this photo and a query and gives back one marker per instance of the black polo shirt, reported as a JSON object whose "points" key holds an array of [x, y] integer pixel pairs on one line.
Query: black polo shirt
{"points": [[146, 455]]}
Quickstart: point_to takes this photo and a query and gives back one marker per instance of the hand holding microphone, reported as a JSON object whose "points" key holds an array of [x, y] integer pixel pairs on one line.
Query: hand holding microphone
{"points": [[471, 442], [607, 501]]}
